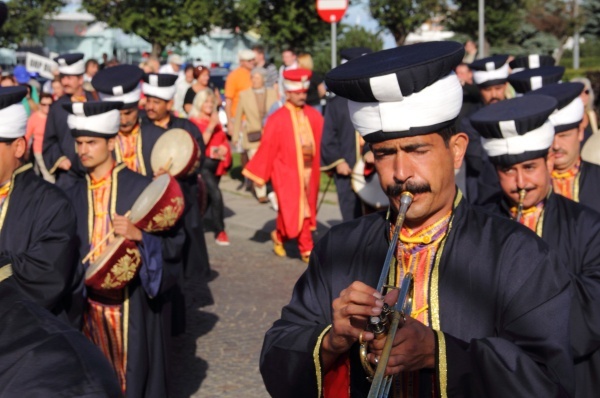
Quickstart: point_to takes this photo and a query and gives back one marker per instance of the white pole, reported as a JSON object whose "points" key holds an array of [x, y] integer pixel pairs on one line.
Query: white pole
{"points": [[480, 52], [333, 44], [576, 39]]}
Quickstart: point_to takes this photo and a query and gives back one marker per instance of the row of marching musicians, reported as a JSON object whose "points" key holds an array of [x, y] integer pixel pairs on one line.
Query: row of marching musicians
{"points": [[107, 249]]}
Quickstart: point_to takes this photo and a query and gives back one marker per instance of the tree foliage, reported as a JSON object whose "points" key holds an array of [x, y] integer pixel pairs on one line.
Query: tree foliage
{"points": [[400, 17], [349, 36], [502, 19], [590, 9], [290, 23], [160, 22], [25, 23]]}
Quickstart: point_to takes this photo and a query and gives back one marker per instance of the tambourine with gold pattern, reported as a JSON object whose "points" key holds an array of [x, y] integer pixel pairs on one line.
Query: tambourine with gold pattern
{"points": [[177, 152], [115, 267], [159, 206]]}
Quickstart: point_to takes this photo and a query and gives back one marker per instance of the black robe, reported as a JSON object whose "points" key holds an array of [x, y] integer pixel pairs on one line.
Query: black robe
{"points": [[481, 178], [499, 294], [37, 236], [41, 356], [195, 252], [59, 143], [149, 303], [146, 141], [339, 143], [573, 232], [589, 185]]}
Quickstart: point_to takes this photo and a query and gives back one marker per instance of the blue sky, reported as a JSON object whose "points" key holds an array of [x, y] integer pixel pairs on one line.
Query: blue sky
{"points": [[358, 14]]}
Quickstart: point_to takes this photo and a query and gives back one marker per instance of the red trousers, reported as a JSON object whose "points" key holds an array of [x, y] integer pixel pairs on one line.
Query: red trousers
{"points": [[305, 241]]}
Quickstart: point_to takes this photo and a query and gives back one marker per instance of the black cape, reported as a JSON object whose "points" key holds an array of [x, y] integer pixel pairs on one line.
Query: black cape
{"points": [[573, 232], [339, 143], [59, 143], [149, 317], [41, 356], [37, 236], [589, 185], [195, 252], [146, 142], [502, 337]]}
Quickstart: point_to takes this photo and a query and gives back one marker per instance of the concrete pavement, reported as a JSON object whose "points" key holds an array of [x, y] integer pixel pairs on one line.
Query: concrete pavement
{"points": [[218, 356]]}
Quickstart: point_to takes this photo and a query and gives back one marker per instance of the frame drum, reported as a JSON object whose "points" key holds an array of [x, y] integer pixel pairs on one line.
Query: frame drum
{"points": [[116, 266], [368, 188], [177, 148], [159, 206]]}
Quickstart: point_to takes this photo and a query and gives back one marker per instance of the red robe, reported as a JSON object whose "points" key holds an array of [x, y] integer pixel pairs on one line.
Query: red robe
{"points": [[279, 159]]}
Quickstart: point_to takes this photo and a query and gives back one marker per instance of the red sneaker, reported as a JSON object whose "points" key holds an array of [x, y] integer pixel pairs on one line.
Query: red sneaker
{"points": [[222, 239]]}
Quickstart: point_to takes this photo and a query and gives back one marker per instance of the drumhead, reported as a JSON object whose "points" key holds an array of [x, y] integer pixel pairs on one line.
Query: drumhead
{"points": [[148, 198], [175, 147], [368, 189], [107, 253]]}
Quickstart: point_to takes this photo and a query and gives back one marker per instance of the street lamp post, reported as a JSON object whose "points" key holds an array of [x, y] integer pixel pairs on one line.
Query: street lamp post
{"points": [[481, 40]]}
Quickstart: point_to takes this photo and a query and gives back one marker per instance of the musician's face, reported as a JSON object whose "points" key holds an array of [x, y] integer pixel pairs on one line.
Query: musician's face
{"points": [[566, 147], [157, 109], [297, 98], [10, 153], [71, 83], [129, 118], [94, 151], [423, 165], [532, 175], [493, 94]]}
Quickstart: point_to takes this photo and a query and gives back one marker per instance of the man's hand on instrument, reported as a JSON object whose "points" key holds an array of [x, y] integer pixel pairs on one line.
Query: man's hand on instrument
{"points": [[124, 227], [160, 172], [65, 164], [343, 169], [413, 348], [351, 311]]}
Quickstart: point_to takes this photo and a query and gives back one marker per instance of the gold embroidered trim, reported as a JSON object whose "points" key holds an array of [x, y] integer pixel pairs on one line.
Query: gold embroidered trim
{"points": [[55, 167], [576, 186], [125, 329], [140, 154], [6, 272], [434, 286], [332, 165], [12, 186], [256, 179], [317, 360], [91, 214], [300, 161], [442, 364]]}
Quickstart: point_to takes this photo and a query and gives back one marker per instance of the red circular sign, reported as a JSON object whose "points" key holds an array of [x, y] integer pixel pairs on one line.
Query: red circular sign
{"points": [[331, 10]]}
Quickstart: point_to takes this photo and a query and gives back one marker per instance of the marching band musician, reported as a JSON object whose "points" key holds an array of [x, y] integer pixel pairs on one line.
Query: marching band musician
{"points": [[133, 144], [289, 156], [159, 90], [572, 176], [58, 146], [340, 146], [129, 325], [56, 357], [523, 163], [37, 222], [479, 327]]}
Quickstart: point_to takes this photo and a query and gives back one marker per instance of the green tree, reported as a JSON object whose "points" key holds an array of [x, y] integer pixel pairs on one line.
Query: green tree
{"points": [[400, 17], [350, 36], [160, 22], [556, 18], [502, 19], [25, 23], [591, 10], [289, 23]]}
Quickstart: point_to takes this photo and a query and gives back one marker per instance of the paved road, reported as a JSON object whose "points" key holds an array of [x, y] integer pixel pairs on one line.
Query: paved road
{"points": [[218, 356]]}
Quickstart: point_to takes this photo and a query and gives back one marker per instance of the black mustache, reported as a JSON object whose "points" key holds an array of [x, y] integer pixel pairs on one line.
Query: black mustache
{"points": [[414, 188]]}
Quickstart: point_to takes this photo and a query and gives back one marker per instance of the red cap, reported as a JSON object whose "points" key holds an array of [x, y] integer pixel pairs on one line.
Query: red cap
{"points": [[296, 79]]}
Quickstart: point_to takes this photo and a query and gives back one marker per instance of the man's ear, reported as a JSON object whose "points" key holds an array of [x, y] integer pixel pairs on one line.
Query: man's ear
{"points": [[19, 147], [169, 105], [111, 143], [458, 146]]}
